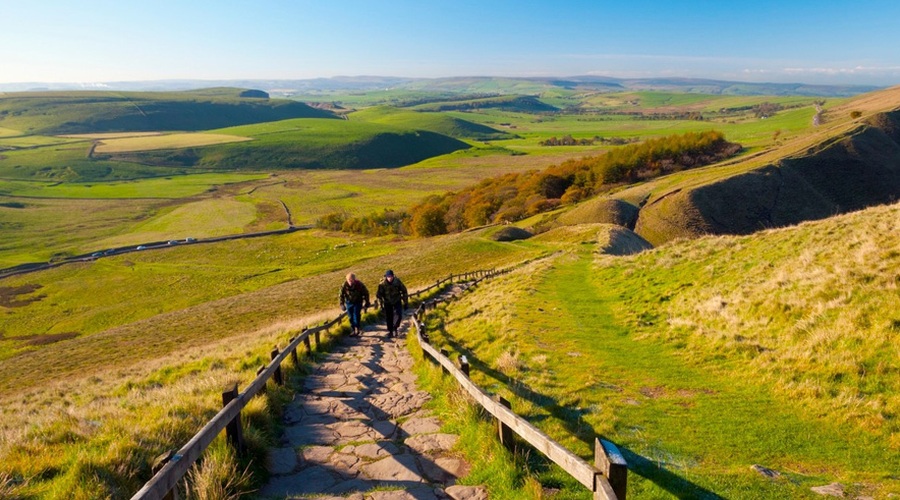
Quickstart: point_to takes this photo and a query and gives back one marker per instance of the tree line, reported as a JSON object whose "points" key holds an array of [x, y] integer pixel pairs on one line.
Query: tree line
{"points": [[512, 197]]}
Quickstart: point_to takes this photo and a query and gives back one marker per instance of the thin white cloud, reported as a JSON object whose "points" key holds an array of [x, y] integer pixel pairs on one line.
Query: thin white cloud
{"points": [[856, 70]]}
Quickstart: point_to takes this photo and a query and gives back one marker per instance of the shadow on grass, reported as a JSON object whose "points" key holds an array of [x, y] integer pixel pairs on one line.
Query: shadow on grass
{"points": [[575, 424]]}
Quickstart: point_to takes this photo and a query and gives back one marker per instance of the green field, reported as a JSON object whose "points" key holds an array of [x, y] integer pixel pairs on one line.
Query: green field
{"points": [[705, 358], [701, 358]]}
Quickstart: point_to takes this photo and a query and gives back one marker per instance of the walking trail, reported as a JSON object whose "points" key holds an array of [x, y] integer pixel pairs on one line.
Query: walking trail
{"points": [[357, 431]]}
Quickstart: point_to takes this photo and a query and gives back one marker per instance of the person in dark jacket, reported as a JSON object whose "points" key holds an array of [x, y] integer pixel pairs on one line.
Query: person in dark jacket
{"points": [[354, 299], [393, 297]]}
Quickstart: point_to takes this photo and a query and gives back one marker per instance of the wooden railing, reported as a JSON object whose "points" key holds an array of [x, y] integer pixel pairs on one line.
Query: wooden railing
{"points": [[607, 478], [170, 467]]}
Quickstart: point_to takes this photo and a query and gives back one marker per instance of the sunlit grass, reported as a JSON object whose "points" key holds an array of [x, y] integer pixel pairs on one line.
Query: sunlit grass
{"points": [[181, 186], [172, 327], [703, 358], [166, 141]]}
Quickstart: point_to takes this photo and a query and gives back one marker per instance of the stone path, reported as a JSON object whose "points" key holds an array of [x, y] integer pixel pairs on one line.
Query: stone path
{"points": [[357, 430]]}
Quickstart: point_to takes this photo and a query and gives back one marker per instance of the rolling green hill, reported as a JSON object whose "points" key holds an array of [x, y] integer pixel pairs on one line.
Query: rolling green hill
{"points": [[433, 122], [55, 113], [310, 144], [851, 161], [515, 103]]}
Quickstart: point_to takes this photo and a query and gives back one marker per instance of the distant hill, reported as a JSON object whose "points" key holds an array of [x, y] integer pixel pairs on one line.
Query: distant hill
{"points": [[433, 122], [57, 113], [497, 85], [849, 163], [306, 143], [522, 104]]}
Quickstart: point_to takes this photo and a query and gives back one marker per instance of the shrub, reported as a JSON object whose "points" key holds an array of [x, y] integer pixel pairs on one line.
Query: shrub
{"points": [[429, 221]]}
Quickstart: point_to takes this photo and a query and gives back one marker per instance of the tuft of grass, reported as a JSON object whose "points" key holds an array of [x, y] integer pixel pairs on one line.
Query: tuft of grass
{"points": [[218, 476]]}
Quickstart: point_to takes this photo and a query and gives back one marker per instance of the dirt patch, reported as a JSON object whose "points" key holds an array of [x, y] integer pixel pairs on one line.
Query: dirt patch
{"points": [[267, 213], [45, 339], [653, 392], [10, 295]]}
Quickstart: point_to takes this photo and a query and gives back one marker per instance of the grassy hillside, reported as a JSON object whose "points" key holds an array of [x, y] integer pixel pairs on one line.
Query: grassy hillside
{"points": [[312, 144], [289, 144], [54, 113], [513, 103], [704, 358], [848, 162], [433, 122], [171, 327]]}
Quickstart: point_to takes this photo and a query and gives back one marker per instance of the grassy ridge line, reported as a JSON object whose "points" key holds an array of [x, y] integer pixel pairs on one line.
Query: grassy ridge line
{"points": [[434, 122], [55, 113], [309, 143]]}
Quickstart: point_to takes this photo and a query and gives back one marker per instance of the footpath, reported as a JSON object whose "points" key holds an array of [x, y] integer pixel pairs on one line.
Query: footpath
{"points": [[357, 430]]}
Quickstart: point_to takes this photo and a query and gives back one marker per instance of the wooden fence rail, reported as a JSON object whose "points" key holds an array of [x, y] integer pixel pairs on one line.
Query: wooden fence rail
{"points": [[170, 467], [606, 478]]}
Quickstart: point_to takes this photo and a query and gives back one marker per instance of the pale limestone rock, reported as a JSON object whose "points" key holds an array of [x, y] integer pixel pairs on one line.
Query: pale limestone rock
{"points": [[832, 490], [467, 492]]}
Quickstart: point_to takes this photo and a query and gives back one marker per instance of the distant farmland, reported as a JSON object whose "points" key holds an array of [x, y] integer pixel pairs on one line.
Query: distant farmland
{"points": [[167, 141]]}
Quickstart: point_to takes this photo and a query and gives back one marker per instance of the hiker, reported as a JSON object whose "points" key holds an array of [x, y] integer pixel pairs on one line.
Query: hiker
{"points": [[354, 299], [392, 296]]}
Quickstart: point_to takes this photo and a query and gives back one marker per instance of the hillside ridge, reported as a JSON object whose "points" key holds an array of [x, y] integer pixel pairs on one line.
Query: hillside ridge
{"points": [[845, 173]]}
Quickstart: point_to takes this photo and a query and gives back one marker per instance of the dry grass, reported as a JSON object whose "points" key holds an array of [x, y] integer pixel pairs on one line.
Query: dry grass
{"points": [[123, 418], [216, 477], [509, 363], [132, 143], [111, 135], [814, 308]]}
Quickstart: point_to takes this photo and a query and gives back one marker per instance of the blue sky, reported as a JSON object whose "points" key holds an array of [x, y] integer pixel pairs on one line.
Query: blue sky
{"points": [[772, 41]]}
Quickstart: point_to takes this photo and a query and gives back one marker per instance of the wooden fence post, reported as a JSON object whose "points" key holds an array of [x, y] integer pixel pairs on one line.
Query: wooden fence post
{"points": [[234, 431], [504, 432], [259, 370], [294, 353], [318, 340], [308, 345], [464, 364], [609, 460], [277, 376]]}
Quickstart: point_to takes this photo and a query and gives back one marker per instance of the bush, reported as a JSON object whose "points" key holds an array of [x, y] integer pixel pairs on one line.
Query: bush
{"points": [[429, 221]]}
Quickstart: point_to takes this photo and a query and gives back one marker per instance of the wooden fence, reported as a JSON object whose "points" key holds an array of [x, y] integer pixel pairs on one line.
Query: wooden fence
{"points": [[606, 478], [170, 467]]}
